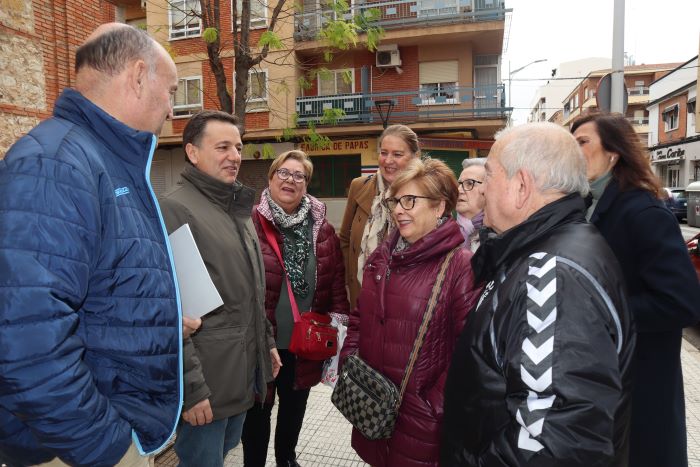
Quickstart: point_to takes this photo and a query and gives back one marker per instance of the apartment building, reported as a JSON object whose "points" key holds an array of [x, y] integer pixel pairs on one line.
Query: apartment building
{"points": [[582, 98], [437, 69], [37, 44], [548, 98], [674, 136]]}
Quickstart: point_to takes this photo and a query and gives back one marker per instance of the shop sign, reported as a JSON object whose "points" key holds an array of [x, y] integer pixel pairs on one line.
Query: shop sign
{"points": [[458, 144], [668, 154], [337, 146]]}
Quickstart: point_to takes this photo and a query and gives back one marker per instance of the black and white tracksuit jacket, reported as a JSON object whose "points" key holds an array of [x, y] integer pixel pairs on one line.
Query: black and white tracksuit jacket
{"points": [[541, 373]]}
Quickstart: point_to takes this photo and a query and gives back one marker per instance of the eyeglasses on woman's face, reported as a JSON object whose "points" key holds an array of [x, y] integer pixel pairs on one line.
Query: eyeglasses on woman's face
{"points": [[406, 201], [468, 184], [284, 174]]}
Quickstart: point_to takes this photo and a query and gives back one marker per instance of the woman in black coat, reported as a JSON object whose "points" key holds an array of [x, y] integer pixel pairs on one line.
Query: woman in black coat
{"points": [[663, 290]]}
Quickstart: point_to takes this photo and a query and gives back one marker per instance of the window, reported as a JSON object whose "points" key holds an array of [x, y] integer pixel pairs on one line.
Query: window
{"points": [[188, 98], [438, 82], [438, 93], [257, 85], [334, 82], [258, 12], [333, 174], [184, 18], [670, 118], [691, 113], [486, 77]]}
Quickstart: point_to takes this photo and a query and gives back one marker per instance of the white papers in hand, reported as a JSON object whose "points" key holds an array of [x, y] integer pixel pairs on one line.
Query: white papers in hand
{"points": [[198, 294]]}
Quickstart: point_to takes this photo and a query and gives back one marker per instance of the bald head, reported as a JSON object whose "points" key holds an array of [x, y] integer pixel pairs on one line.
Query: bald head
{"points": [[112, 46], [122, 70], [548, 152]]}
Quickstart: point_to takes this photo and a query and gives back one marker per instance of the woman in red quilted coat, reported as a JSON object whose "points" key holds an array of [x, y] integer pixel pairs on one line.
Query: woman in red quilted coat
{"points": [[398, 279], [314, 262]]}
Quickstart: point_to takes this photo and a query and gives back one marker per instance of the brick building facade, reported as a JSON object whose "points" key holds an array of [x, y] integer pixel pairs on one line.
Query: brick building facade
{"points": [[38, 40]]}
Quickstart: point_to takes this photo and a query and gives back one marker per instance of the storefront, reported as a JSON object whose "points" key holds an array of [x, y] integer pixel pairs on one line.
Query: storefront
{"points": [[453, 151], [677, 165], [337, 164]]}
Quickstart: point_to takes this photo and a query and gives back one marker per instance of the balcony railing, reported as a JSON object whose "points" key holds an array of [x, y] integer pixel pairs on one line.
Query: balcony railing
{"points": [[458, 103], [638, 91], [403, 13], [638, 120]]}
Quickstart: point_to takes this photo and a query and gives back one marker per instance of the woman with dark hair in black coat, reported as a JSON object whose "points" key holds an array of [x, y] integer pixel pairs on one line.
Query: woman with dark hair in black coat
{"points": [[663, 290]]}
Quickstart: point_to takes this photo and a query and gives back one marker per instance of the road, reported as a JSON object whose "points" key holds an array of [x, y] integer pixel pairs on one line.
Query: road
{"points": [[688, 232]]}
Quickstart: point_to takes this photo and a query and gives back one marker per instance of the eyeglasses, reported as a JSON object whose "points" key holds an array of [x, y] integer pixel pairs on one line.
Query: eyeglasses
{"points": [[406, 201], [284, 174], [468, 183]]}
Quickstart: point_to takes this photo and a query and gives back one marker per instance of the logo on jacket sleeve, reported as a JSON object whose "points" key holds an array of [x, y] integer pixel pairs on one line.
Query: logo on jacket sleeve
{"points": [[121, 191]]}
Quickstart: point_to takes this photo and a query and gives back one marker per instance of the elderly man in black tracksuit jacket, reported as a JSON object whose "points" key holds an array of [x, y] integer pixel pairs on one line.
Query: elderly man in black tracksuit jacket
{"points": [[541, 373]]}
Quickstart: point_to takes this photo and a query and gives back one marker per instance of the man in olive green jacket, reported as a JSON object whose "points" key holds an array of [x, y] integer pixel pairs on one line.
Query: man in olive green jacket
{"points": [[233, 354]]}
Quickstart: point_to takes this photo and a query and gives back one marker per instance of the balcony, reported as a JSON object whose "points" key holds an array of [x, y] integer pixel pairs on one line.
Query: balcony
{"points": [[402, 14], [458, 103], [638, 91], [638, 120]]}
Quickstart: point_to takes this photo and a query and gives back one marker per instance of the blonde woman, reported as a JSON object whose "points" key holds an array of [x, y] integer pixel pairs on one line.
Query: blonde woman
{"points": [[366, 221]]}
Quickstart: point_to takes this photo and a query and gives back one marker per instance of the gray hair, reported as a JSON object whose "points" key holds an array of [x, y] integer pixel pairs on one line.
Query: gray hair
{"points": [[549, 153], [480, 161], [112, 51]]}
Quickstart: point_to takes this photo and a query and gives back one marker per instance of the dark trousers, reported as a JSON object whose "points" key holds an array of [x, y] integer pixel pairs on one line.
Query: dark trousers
{"points": [[290, 416]]}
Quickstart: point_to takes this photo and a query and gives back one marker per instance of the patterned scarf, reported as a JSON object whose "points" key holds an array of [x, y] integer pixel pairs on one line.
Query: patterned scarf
{"points": [[378, 226], [296, 243]]}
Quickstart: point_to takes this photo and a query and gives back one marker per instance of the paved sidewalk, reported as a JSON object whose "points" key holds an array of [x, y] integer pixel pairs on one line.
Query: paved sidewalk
{"points": [[325, 436]]}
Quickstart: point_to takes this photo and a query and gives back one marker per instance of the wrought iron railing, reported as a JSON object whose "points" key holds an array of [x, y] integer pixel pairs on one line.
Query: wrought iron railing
{"points": [[396, 14], [408, 106]]}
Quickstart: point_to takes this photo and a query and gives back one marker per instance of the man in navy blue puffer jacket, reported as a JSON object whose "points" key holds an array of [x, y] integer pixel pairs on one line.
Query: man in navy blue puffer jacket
{"points": [[90, 328]]}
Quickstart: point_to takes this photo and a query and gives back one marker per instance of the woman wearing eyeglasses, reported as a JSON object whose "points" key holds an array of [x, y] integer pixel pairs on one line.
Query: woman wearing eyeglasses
{"points": [[366, 221], [314, 263], [397, 283], [470, 203]]}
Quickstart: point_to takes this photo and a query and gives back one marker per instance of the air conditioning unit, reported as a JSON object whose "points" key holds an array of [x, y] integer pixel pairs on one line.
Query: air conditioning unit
{"points": [[388, 56]]}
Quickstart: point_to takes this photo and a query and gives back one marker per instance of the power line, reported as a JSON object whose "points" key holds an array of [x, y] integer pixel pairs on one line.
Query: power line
{"points": [[589, 76]]}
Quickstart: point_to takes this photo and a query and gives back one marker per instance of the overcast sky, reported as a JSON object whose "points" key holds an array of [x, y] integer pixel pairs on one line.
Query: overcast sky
{"points": [[564, 30]]}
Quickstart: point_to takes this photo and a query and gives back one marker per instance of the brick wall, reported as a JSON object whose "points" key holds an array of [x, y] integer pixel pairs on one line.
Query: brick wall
{"points": [[38, 40], [679, 133]]}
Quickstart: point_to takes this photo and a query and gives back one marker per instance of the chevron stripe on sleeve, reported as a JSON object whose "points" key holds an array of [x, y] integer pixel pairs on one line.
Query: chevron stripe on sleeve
{"points": [[537, 349]]}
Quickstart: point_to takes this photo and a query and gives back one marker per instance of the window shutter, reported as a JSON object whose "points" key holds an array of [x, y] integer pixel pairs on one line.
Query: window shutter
{"points": [[438, 72]]}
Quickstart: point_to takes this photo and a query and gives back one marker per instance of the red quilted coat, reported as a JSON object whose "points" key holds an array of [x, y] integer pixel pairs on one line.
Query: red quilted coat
{"points": [[395, 292], [329, 296]]}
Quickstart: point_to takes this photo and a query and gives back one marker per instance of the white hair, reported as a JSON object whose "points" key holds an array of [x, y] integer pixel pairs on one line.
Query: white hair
{"points": [[548, 152], [480, 161]]}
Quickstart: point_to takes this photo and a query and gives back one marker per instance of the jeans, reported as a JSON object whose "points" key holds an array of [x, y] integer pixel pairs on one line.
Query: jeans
{"points": [[290, 416], [207, 445]]}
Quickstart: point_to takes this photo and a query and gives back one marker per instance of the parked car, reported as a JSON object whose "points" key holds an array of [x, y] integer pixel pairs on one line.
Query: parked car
{"points": [[694, 252], [677, 202]]}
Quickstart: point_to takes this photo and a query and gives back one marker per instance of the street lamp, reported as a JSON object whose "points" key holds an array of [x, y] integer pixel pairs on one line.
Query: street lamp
{"points": [[384, 108], [510, 77]]}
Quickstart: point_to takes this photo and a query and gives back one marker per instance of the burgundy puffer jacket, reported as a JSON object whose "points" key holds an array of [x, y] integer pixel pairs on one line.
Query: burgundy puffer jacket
{"points": [[330, 295], [395, 292]]}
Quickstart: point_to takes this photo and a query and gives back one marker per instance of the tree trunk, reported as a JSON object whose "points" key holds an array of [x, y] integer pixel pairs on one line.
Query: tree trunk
{"points": [[211, 18]]}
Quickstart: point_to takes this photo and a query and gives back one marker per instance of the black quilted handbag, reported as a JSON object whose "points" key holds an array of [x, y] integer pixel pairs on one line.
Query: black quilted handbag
{"points": [[367, 398]]}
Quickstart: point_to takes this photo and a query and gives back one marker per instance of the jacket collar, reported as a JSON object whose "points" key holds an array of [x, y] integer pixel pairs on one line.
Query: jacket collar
{"points": [[233, 198], [499, 250], [435, 243], [318, 214], [127, 143], [606, 200], [366, 194]]}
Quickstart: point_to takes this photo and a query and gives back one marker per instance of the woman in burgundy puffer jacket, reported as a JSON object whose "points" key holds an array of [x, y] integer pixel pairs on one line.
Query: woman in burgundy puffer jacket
{"points": [[397, 283], [314, 262]]}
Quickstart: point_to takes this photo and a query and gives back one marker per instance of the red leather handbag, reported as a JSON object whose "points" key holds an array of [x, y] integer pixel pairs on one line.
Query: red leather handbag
{"points": [[313, 337]]}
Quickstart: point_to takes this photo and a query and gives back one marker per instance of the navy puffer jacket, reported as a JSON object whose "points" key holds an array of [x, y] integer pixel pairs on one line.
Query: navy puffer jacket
{"points": [[89, 316], [329, 295]]}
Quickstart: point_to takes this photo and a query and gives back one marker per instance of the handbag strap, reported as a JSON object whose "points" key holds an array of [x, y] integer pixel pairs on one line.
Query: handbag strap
{"points": [[432, 302], [272, 240]]}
